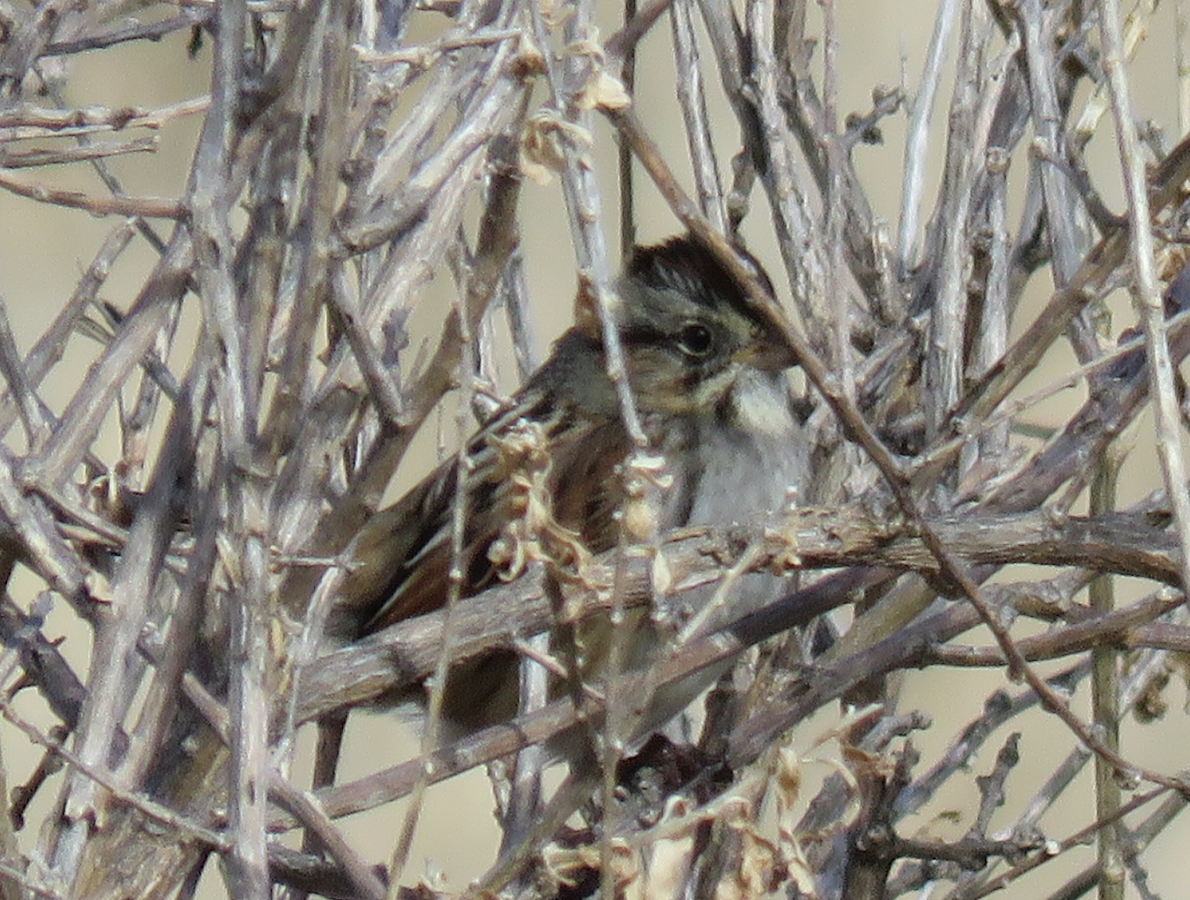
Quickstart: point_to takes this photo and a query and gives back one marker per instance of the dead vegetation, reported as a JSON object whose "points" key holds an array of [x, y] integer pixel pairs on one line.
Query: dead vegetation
{"points": [[348, 154]]}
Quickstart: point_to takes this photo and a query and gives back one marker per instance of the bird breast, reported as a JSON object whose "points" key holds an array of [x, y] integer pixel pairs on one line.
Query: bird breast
{"points": [[739, 462]]}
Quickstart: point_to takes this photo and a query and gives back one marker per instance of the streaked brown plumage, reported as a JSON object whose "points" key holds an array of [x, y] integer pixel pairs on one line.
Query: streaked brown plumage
{"points": [[706, 371]]}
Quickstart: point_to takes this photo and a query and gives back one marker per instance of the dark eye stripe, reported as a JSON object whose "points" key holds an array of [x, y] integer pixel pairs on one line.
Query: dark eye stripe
{"points": [[642, 335]]}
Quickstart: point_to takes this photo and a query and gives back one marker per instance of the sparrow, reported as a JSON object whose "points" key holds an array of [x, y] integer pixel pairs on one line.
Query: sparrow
{"points": [[545, 475]]}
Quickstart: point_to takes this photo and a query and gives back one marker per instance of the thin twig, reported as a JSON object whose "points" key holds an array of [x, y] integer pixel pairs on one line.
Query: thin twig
{"points": [[1146, 294], [148, 207]]}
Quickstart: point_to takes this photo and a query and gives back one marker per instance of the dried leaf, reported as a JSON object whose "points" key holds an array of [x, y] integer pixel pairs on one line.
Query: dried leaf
{"points": [[603, 90], [759, 871], [662, 575], [787, 780], [531, 533], [544, 142], [564, 865]]}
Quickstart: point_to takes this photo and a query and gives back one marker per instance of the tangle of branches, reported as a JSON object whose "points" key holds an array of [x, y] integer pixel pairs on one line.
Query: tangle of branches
{"points": [[353, 260]]}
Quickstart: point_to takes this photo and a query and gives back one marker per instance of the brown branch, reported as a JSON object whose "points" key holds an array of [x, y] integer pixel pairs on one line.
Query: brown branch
{"points": [[810, 539], [148, 207], [24, 159], [136, 31], [36, 122], [1127, 628]]}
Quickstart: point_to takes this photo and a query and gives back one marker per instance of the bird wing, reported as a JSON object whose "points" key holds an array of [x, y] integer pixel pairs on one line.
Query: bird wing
{"points": [[533, 459]]}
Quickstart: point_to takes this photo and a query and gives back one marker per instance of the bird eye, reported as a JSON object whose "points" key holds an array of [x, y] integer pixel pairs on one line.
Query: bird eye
{"points": [[695, 339]]}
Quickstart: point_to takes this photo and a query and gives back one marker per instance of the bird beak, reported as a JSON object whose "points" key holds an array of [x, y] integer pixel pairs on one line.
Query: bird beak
{"points": [[770, 349], [771, 355]]}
